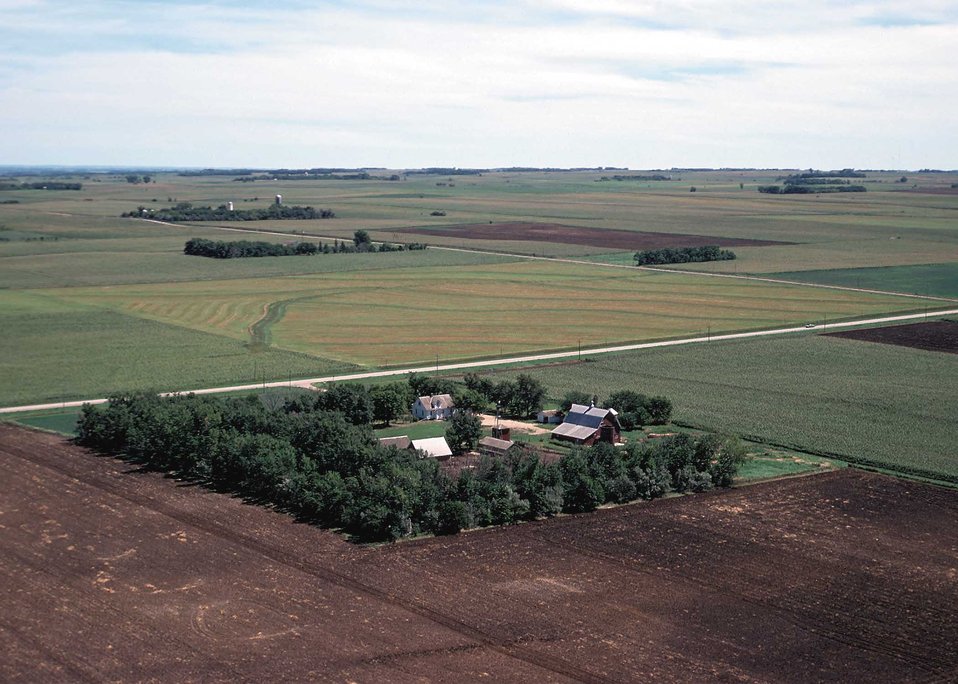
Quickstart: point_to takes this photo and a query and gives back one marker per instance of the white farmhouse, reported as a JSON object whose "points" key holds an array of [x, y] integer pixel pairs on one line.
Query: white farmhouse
{"points": [[436, 407]]}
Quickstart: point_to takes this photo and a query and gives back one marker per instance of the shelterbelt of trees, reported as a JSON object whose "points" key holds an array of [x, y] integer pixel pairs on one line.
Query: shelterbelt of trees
{"points": [[44, 185], [238, 249], [185, 211], [316, 458], [682, 255]]}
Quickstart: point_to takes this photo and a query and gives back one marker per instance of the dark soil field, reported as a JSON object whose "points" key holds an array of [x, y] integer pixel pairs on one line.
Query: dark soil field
{"points": [[940, 336], [578, 235], [107, 573]]}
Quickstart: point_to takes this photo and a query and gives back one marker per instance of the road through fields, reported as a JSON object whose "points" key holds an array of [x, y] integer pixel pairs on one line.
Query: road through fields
{"points": [[308, 383]]}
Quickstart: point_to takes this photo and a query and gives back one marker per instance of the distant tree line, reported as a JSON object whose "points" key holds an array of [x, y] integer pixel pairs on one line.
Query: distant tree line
{"points": [[44, 185], [238, 249], [310, 175], [324, 467], [136, 179], [682, 255], [812, 173], [185, 211], [809, 189], [636, 177]]}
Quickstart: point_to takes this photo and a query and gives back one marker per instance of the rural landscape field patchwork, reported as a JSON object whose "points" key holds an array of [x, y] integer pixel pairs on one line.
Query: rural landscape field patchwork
{"points": [[516, 264]]}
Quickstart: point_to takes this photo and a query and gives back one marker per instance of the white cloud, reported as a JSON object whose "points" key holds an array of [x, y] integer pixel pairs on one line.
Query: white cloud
{"points": [[625, 83]]}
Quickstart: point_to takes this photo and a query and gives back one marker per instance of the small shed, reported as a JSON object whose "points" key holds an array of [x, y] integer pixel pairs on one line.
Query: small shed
{"points": [[550, 417], [400, 442], [433, 447], [496, 448], [587, 425]]}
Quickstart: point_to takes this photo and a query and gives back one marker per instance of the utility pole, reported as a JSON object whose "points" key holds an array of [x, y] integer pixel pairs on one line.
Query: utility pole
{"points": [[580, 349]]}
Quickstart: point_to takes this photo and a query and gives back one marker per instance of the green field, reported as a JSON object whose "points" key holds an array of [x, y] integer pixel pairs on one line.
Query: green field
{"points": [[91, 302], [53, 351], [863, 402], [937, 280], [413, 315]]}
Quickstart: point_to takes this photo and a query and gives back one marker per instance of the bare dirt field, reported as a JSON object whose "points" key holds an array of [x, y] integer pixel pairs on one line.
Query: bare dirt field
{"points": [[111, 574], [941, 336], [579, 235]]}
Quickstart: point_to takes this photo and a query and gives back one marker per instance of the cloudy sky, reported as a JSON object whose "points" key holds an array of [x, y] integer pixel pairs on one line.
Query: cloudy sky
{"points": [[409, 83]]}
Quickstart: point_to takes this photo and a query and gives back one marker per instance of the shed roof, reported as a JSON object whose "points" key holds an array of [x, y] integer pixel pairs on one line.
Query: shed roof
{"points": [[400, 442], [433, 446], [497, 444]]}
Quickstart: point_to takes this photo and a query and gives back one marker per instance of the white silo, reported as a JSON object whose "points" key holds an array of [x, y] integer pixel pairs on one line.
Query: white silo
{"points": [[279, 199]]}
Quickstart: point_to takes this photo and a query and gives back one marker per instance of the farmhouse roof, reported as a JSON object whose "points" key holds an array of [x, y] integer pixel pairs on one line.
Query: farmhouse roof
{"points": [[400, 442], [433, 446], [497, 444], [550, 412], [437, 401]]}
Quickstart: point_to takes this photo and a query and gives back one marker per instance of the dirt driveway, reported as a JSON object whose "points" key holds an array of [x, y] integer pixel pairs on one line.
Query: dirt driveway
{"points": [[516, 425]]}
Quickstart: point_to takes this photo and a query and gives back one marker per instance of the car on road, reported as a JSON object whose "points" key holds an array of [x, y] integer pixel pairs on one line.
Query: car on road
{"points": [[809, 325]]}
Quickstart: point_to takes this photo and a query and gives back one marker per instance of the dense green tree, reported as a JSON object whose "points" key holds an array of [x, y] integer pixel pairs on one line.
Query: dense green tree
{"points": [[464, 431], [390, 401], [576, 397]]}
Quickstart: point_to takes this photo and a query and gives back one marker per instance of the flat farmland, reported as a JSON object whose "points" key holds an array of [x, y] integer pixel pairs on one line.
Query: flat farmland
{"points": [[411, 315], [888, 406], [52, 351], [113, 574]]}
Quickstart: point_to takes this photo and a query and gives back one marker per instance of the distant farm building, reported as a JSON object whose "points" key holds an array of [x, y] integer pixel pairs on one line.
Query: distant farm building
{"points": [[496, 448], [587, 425], [279, 200], [434, 447], [436, 407], [552, 416]]}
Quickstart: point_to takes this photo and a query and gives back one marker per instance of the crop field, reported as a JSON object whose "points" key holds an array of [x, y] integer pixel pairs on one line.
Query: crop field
{"points": [[411, 315], [51, 352], [572, 235], [937, 280], [69, 256], [845, 576], [869, 403]]}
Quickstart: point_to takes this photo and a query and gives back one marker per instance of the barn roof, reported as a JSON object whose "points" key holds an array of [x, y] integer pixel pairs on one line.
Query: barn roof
{"points": [[574, 431], [433, 446], [590, 416]]}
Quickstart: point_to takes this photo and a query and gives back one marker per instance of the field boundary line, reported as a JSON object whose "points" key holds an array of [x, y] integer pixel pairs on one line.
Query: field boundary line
{"points": [[307, 383]]}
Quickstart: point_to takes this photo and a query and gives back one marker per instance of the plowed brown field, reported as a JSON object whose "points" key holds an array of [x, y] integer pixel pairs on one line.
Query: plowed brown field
{"points": [[580, 235], [941, 336], [111, 574]]}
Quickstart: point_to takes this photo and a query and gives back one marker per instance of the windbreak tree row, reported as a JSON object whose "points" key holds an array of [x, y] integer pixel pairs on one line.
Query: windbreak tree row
{"points": [[323, 468]]}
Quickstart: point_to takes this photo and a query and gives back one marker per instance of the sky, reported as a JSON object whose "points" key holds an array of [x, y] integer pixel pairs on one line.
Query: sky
{"points": [[488, 83]]}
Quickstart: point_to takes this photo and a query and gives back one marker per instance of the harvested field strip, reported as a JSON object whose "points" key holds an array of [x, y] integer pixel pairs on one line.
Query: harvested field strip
{"points": [[411, 315], [844, 576], [579, 235]]}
